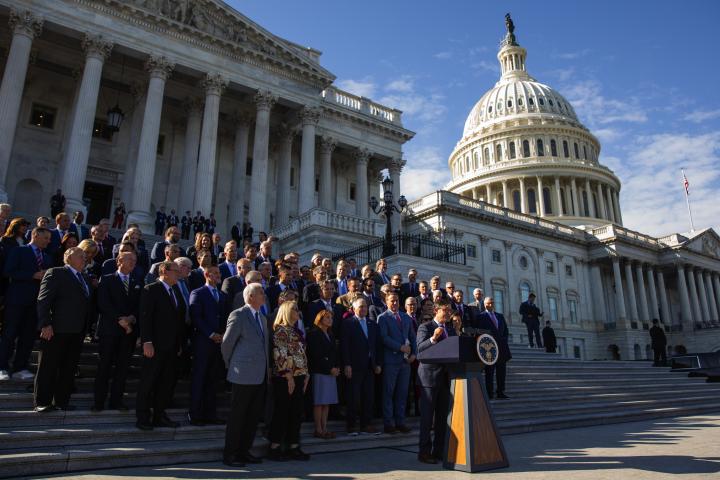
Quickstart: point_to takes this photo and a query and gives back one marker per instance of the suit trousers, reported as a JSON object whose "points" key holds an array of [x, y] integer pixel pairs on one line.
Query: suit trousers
{"points": [[115, 354], [245, 411], [58, 360], [533, 327], [206, 369], [360, 393], [396, 381], [157, 382], [20, 323], [288, 414], [500, 368], [659, 356], [434, 409]]}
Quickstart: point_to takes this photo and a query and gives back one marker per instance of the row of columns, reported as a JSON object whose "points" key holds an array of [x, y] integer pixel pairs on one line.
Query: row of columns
{"points": [[607, 207], [699, 295]]}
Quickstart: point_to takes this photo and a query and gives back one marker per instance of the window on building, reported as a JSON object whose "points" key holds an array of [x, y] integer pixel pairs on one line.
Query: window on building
{"points": [[517, 205], [512, 150], [467, 163], [496, 256], [524, 291], [531, 101], [540, 148], [562, 201], [499, 297], [486, 156], [471, 250], [292, 177], [509, 103], [490, 109], [577, 153], [317, 183], [351, 191], [552, 303], [572, 310], [550, 101], [584, 152], [549, 267], [585, 204], [553, 148], [523, 262], [541, 101], [569, 270], [547, 203], [161, 145], [532, 201], [43, 116], [476, 162], [566, 152], [248, 167], [577, 352], [498, 152], [520, 101], [526, 148], [101, 130]]}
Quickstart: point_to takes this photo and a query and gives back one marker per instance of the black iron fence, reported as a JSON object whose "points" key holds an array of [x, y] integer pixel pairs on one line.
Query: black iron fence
{"points": [[407, 244]]}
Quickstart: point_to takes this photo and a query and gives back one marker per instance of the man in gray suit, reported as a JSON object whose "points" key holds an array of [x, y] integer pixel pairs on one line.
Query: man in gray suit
{"points": [[245, 348]]}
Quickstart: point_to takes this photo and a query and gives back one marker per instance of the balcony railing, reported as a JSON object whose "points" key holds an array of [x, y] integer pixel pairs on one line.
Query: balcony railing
{"points": [[324, 218], [364, 105], [407, 244]]}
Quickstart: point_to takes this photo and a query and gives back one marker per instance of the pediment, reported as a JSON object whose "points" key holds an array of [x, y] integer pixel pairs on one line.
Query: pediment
{"points": [[706, 242], [216, 21]]}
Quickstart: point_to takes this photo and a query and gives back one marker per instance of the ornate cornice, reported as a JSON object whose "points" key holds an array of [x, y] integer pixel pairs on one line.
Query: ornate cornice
{"points": [[309, 115], [159, 66], [396, 165], [265, 99], [214, 84], [96, 46], [327, 145], [25, 23], [362, 155]]}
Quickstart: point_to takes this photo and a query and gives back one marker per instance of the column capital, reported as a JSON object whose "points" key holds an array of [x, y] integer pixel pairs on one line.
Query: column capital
{"points": [[242, 118], [484, 239], [25, 23], [362, 155], [96, 46], [159, 67], [396, 165], [327, 145], [193, 106], [508, 244], [265, 99], [214, 84], [309, 115], [285, 133], [137, 90]]}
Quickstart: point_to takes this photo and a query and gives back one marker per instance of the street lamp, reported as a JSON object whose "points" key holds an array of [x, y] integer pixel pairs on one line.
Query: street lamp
{"points": [[388, 208]]}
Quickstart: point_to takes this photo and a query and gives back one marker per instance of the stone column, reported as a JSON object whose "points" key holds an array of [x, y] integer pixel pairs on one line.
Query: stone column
{"points": [[616, 201], [236, 213], [642, 295], [716, 284], [24, 27], [630, 284], [193, 110], [138, 91], [591, 202], [619, 294], [686, 309], [488, 193], [97, 50], [362, 157], [395, 168], [576, 206], [558, 196], [601, 210], [664, 304], [611, 206], [282, 209], [506, 201], [702, 294], [654, 312], [712, 303], [523, 200], [159, 69], [327, 146], [540, 197], [213, 84], [693, 292], [309, 117], [598, 294], [264, 99]]}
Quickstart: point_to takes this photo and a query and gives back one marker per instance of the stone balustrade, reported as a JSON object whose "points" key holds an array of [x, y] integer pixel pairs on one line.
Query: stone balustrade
{"points": [[337, 221], [360, 104], [615, 231]]}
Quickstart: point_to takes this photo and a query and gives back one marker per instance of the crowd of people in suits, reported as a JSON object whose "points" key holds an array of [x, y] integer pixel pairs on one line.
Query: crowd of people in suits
{"points": [[332, 339]]}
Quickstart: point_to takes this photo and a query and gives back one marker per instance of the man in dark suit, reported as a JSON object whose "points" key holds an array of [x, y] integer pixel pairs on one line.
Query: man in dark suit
{"points": [[495, 323], [361, 351], [368, 289], [162, 327], [62, 221], [172, 251], [172, 219], [325, 302], [228, 267], [435, 384], [160, 219], [531, 318], [311, 291], [265, 255], [24, 267], [236, 234], [464, 310], [63, 305], [658, 343], [98, 236], [477, 307], [119, 304], [185, 223], [198, 223], [409, 288], [77, 226], [284, 278], [423, 292], [234, 285], [172, 237], [209, 312], [549, 339]]}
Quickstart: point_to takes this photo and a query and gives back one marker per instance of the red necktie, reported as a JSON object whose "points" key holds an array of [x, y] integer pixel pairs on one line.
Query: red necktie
{"points": [[399, 321]]}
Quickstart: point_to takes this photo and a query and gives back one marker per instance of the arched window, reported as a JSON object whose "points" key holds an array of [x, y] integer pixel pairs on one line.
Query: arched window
{"points": [[512, 150], [547, 201], [498, 152], [509, 103], [584, 152], [565, 149], [531, 101], [524, 290], [516, 201], [486, 156], [563, 206], [467, 163], [585, 205], [550, 101], [532, 201], [597, 207], [577, 153], [553, 148], [541, 100], [540, 148], [526, 148], [476, 162], [520, 101], [490, 109]]}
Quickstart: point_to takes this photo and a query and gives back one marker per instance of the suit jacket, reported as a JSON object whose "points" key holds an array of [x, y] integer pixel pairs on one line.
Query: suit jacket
{"points": [[311, 292], [357, 351], [245, 348], [225, 271], [375, 311], [20, 266], [158, 251], [196, 279], [321, 351], [408, 290], [467, 314], [114, 302], [81, 231], [499, 333], [431, 374], [396, 335], [273, 295], [313, 308], [530, 313], [232, 286], [374, 300], [477, 308], [163, 323], [63, 302], [55, 239], [207, 315], [235, 235]]}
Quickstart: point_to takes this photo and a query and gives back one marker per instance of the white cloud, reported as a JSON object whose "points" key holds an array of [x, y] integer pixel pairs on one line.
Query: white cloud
{"points": [[425, 172], [443, 55], [404, 84], [700, 116], [402, 93], [592, 106], [365, 87], [572, 55], [485, 66], [478, 50], [607, 134]]}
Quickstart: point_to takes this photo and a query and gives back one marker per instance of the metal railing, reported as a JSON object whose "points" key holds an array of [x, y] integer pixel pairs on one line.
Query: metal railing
{"points": [[408, 244]]}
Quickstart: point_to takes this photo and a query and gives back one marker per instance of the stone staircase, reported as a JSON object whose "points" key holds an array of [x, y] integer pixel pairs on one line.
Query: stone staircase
{"points": [[547, 392]]}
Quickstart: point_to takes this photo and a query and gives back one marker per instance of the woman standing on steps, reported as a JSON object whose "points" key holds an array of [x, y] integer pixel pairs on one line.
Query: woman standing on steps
{"points": [[322, 356]]}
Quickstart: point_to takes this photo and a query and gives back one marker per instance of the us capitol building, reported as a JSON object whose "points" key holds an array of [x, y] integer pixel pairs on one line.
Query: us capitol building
{"points": [[191, 105]]}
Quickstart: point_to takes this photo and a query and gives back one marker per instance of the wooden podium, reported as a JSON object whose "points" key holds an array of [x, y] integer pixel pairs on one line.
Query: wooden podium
{"points": [[473, 443]]}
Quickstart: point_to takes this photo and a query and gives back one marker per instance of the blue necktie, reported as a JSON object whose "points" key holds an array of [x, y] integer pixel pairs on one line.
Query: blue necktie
{"points": [[82, 282], [215, 294], [259, 324], [363, 325]]}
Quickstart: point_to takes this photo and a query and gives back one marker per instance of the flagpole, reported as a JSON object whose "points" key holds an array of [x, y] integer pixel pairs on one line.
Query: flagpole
{"points": [[687, 200]]}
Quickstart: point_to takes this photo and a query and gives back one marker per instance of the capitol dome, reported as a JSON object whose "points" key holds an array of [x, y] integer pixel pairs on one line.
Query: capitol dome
{"points": [[523, 137]]}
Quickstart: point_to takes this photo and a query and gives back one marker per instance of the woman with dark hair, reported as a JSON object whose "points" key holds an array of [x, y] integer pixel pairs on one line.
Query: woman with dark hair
{"points": [[69, 240], [202, 242], [14, 234], [324, 370], [119, 216]]}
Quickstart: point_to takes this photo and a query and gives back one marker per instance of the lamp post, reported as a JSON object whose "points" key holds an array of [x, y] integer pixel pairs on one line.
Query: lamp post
{"points": [[388, 208]]}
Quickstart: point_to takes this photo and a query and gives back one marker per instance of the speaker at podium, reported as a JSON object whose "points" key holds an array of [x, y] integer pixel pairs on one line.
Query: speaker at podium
{"points": [[472, 442]]}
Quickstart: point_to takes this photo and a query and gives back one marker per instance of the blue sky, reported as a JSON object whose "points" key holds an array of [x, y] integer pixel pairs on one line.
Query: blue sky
{"points": [[642, 75]]}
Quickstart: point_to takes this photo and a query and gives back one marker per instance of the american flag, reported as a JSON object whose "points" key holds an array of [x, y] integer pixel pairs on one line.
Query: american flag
{"points": [[687, 185]]}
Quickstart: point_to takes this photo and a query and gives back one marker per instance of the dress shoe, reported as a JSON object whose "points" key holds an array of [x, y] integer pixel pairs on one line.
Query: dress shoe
{"points": [[195, 421], [297, 454], [164, 421], [233, 462], [427, 458], [389, 430], [65, 408], [144, 425], [250, 458], [320, 435], [44, 408], [502, 396], [404, 429], [352, 431]]}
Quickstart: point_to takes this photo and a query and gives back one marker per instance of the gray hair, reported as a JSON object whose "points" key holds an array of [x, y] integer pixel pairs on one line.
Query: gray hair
{"points": [[250, 290], [183, 262], [487, 298], [70, 252], [266, 263], [358, 300], [477, 290], [253, 276]]}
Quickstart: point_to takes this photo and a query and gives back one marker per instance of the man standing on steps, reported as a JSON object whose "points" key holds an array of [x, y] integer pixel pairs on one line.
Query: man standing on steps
{"points": [[658, 343], [549, 339], [495, 323], [531, 318]]}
